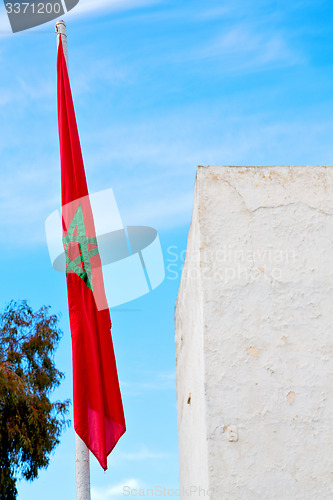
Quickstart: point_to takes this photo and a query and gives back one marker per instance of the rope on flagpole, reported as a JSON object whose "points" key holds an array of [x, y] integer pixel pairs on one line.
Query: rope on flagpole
{"points": [[82, 462]]}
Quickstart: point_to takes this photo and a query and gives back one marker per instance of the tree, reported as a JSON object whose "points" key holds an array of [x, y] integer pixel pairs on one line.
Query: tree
{"points": [[30, 424]]}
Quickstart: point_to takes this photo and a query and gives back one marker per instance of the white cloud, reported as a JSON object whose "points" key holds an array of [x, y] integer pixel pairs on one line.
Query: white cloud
{"points": [[143, 454], [163, 381], [113, 491], [167, 375], [245, 47], [153, 179], [5, 28], [26, 198], [160, 213], [90, 6], [214, 13]]}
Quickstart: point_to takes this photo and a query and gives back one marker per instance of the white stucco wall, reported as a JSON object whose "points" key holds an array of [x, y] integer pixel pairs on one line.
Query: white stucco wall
{"points": [[254, 336]]}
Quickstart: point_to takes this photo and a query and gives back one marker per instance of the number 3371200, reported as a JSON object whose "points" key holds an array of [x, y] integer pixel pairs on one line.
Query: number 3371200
{"points": [[32, 8]]}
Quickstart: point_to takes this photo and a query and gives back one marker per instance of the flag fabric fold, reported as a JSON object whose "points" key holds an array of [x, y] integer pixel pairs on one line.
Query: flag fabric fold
{"points": [[98, 411]]}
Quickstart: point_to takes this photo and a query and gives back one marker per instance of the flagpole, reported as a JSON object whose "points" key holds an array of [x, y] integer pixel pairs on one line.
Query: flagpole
{"points": [[82, 469], [60, 29], [82, 462]]}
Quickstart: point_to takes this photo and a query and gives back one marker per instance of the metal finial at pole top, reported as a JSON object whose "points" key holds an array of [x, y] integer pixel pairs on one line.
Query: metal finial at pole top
{"points": [[60, 29]]}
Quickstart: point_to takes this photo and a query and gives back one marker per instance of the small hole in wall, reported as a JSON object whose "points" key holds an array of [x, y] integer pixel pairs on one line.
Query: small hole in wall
{"points": [[189, 399]]}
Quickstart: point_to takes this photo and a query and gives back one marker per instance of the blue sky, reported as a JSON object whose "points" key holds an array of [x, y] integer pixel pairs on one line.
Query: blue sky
{"points": [[159, 87]]}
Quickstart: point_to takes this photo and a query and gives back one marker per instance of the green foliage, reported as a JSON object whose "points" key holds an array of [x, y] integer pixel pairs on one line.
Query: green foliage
{"points": [[30, 424]]}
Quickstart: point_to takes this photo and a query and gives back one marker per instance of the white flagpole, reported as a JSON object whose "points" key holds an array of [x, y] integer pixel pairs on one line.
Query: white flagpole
{"points": [[81, 451], [82, 470]]}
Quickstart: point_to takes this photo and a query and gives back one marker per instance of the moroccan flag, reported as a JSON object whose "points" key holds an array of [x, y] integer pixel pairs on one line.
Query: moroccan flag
{"points": [[98, 411]]}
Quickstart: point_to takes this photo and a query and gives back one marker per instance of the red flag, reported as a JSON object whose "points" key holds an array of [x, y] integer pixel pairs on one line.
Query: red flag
{"points": [[98, 411]]}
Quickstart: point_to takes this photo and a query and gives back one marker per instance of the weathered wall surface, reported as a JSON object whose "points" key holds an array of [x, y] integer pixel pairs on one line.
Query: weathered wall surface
{"points": [[254, 336]]}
